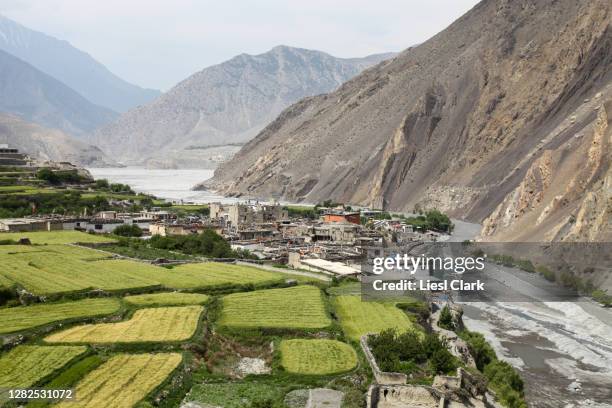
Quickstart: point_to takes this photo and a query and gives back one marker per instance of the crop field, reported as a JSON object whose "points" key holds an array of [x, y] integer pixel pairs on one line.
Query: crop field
{"points": [[60, 271], [234, 394], [210, 274], [358, 318], [123, 381], [24, 366], [19, 318], [167, 299], [299, 307], [56, 237], [146, 325], [317, 357]]}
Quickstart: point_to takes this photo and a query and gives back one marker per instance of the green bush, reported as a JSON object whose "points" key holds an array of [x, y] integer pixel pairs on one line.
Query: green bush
{"points": [[482, 352], [446, 319], [128, 230], [409, 352], [546, 273]]}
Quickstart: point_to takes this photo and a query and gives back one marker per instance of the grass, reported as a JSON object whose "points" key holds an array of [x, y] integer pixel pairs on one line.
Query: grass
{"points": [[143, 251], [124, 380], [211, 274], [57, 237], [299, 307], [358, 318], [167, 299], [57, 269], [20, 318], [317, 356], [235, 394], [25, 366], [160, 324]]}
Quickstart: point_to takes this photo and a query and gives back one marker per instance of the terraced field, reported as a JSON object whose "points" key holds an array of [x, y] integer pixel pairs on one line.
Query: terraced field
{"points": [[159, 324], [47, 273], [25, 366], [299, 307], [358, 318], [56, 237], [211, 274], [317, 357], [15, 319], [55, 269], [123, 380], [167, 299]]}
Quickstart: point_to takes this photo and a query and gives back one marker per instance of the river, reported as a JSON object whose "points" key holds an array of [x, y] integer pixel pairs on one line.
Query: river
{"points": [[554, 344], [172, 184], [562, 349]]}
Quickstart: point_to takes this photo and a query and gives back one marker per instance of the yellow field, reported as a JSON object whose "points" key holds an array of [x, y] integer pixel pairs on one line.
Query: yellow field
{"points": [[24, 366], [317, 356], [167, 299], [123, 381], [146, 325], [358, 318], [19, 318], [56, 237], [299, 307]]}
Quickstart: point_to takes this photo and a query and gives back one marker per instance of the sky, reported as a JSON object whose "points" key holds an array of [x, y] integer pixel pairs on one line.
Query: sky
{"points": [[157, 43]]}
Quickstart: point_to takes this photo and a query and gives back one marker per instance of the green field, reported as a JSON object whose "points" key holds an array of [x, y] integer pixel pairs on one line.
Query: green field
{"points": [[61, 271], [123, 380], [159, 324], [317, 357], [15, 319], [235, 394], [167, 299], [211, 274], [358, 318], [56, 237], [25, 366], [299, 307], [56, 269]]}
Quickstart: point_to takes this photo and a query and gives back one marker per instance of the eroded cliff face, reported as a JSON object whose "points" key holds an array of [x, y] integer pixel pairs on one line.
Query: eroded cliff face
{"points": [[458, 123], [566, 194]]}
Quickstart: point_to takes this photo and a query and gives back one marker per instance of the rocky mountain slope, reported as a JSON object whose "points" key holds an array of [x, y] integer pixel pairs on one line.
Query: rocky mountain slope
{"points": [[37, 97], [225, 104], [49, 144], [73, 67], [459, 123]]}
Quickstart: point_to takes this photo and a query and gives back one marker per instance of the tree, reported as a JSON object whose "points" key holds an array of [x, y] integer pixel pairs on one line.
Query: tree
{"points": [[127, 230], [446, 319], [48, 175], [442, 361], [101, 184]]}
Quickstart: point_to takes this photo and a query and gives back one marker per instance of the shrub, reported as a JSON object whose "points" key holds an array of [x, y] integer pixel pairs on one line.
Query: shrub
{"points": [[446, 319], [546, 273], [127, 230]]}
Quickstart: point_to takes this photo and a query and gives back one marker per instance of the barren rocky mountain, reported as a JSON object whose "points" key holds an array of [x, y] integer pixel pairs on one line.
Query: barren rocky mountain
{"points": [[48, 144], [39, 98], [223, 105], [501, 117], [71, 66]]}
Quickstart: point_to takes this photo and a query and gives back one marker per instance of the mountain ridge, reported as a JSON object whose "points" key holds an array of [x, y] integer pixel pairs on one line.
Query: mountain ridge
{"points": [[75, 68], [455, 123], [224, 104], [49, 144], [37, 97]]}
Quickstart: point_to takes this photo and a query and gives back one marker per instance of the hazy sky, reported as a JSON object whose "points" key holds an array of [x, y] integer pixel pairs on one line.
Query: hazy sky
{"points": [[156, 43]]}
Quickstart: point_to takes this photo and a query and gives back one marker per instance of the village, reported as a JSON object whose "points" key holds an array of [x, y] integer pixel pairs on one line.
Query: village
{"points": [[332, 243]]}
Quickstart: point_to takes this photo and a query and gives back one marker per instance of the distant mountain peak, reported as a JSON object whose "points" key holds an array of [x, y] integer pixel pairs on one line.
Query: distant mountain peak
{"points": [[75, 68], [225, 104]]}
